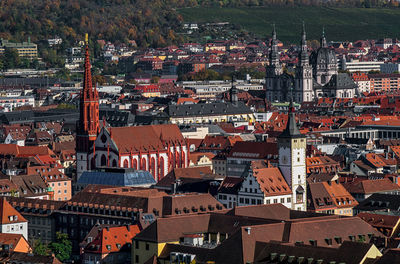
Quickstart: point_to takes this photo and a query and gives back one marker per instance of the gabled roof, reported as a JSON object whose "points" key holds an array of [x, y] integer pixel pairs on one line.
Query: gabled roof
{"points": [[146, 138], [8, 215], [371, 186], [230, 185], [271, 181], [112, 239]]}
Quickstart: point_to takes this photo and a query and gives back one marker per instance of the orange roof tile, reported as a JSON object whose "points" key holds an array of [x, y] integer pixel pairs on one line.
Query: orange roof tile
{"points": [[8, 214], [112, 239], [271, 181]]}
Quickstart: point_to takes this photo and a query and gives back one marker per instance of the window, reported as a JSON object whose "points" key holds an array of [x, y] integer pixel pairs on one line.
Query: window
{"points": [[250, 182], [246, 201], [241, 200], [275, 200], [267, 201], [137, 244], [282, 200], [288, 199], [147, 246], [137, 258]]}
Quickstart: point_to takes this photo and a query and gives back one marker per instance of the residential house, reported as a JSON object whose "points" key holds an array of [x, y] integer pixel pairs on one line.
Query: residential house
{"points": [[330, 197], [11, 221], [111, 245], [264, 186]]}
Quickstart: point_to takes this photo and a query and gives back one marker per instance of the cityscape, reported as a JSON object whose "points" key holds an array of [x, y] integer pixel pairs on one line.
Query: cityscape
{"points": [[197, 142]]}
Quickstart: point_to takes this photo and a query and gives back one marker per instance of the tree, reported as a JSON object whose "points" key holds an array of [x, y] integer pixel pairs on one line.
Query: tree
{"points": [[39, 248], [11, 58], [62, 247]]}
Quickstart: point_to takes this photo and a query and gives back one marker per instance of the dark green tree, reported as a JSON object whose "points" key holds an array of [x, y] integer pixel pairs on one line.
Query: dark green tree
{"points": [[11, 58], [39, 248], [62, 247]]}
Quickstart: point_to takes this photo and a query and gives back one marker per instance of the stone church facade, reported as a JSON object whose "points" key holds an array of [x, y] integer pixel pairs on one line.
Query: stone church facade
{"points": [[315, 76]]}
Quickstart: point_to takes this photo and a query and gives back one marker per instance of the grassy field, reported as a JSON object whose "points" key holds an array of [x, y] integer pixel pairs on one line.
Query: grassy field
{"points": [[340, 23]]}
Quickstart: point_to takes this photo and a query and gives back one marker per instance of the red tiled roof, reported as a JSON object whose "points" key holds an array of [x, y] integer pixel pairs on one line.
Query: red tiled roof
{"points": [[271, 181], [112, 239], [146, 138], [8, 215]]}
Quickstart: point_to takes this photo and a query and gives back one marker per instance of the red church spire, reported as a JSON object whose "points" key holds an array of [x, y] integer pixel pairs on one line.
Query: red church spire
{"points": [[88, 124]]}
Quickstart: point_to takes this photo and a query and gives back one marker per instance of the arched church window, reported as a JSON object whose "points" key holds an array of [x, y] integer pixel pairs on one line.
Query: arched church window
{"points": [[114, 163], [143, 165], [126, 164], [161, 169], [103, 160]]}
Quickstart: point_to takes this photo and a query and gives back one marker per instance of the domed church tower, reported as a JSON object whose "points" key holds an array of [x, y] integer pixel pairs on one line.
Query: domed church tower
{"points": [[324, 62]]}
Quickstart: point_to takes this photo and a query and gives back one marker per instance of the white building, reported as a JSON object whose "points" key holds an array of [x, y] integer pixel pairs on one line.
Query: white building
{"points": [[264, 186], [10, 103], [12, 222], [110, 89], [360, 66]]}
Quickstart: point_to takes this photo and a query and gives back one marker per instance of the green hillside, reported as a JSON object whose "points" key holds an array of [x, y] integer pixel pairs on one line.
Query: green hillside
{"points": [[340, 23]]}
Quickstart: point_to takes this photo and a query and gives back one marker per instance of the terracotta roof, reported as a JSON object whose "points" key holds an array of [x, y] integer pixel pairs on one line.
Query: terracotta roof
{"points": [[112, 239], [371, 186], [8, 215], [11, 239], [146, 138], [271, 181], [329, 195]]}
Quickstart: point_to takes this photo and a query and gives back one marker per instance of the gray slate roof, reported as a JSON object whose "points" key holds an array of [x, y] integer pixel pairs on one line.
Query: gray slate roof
{"points": [[130, 178], [207, 109]]}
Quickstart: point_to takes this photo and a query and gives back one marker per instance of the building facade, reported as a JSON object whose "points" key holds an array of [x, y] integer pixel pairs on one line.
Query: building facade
{"points": [[315, 76]]}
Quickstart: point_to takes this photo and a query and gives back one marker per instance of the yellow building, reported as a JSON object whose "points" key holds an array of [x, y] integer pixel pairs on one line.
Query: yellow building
{"points": [[25, 49]]}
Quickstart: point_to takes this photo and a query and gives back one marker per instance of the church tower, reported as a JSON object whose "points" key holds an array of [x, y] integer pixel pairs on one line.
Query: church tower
{"points": [[292, 160], [324, 62], [273, 72], [87, 126], [303, 79]]}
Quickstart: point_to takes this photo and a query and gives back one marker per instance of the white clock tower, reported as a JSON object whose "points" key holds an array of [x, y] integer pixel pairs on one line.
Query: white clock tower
{"points": [[292, 160]]}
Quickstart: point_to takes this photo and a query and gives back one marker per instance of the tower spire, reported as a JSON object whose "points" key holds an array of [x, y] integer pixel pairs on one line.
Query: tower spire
{"points": [[323, 39], [303, 55], [274, 54]]}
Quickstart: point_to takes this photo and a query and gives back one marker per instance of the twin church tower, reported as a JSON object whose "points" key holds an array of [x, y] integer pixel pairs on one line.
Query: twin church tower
{"points": [[314, 76]]}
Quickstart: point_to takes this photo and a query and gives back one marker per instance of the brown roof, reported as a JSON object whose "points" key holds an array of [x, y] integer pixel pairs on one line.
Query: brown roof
{"points": [[348, 252], [383, 223], [267, 211], [190, 203], [186, 173], [253, 150], [371, 186]]}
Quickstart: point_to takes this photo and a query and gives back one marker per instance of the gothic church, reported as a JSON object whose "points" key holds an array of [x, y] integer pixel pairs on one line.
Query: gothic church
{"points": [[315, 76]]}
